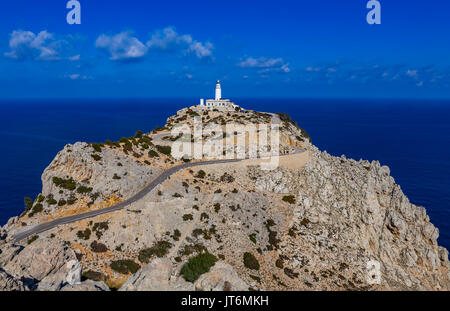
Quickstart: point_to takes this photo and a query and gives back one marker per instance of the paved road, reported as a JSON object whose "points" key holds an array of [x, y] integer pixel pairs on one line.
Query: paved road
{"points": [[155, 182], [36, 229]]}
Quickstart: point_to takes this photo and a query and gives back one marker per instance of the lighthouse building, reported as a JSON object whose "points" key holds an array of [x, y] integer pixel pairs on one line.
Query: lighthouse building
{"points": [[218, 102]]}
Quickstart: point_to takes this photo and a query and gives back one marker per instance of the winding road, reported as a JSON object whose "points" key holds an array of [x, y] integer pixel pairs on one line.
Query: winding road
{"points": [[39, 228]]}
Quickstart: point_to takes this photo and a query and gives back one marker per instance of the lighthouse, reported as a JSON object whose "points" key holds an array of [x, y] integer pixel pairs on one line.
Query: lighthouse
{"points": [[218, 103], [218, 91]]}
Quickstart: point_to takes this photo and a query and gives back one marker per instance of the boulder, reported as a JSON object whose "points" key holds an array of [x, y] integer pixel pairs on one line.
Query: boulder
{"points": [[156, 277], [221, 277], [10, 283], [86, 286], [41, 259]]}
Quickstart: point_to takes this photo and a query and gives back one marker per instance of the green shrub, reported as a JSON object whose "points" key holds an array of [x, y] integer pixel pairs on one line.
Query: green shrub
{"points": [[99, 228], [204, 216], [252, 237], [32, 239], [85, 235], [40, 198], [52, 202], [68, 184], [305, 134], [62, 202], [84, 190], [98, 247], [250, 261], [97, 147], [187, 217], [200, 174], [116, 177], [167, 150], [71, 200], [36, 209], [96, 157], [176, 235], [289, 199], [198, 265], [284, 117], [28, 203], [153, 154], [138, 134], [125, 266], [159, 249], [93, 275]]}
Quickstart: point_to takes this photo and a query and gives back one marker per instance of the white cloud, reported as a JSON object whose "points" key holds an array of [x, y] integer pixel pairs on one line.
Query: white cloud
{"points": [[169, 39], [260, 62], [28, 45], [74, 76], [74, 58], [201, 50], [266, 64], [122, 46], [412, 73]]}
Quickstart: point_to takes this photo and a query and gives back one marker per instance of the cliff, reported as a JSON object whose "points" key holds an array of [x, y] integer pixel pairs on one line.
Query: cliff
{"points": [[317, 222]]}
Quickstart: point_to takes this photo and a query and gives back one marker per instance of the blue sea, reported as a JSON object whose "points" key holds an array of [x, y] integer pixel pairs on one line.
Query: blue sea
{"points": [[412, 137]]}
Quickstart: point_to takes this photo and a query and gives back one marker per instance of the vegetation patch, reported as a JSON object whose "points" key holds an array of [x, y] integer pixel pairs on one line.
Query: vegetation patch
{"points": [[99, 228], [198, 265], [159, 249], [68, 184], [32, 239], [250, 261], [125, 266], [289, 199], [36, 209], [252, 237], [187, 217], [93, 275], [85, 235], [97, 247], [153, 154], [176, 235], [84, 190], [200, 174], [167, 150], [96, 157], [97, 147], [28, 203]]}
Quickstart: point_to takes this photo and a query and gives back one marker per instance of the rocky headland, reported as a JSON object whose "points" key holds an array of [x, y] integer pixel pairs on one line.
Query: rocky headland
{"points": [[313, 223]]}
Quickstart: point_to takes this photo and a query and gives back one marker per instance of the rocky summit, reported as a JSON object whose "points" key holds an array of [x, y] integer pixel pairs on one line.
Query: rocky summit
{"points": [[316, 222]]}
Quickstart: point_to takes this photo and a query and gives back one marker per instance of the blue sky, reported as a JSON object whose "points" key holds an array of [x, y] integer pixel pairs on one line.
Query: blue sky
{"points": [[135, 48]]}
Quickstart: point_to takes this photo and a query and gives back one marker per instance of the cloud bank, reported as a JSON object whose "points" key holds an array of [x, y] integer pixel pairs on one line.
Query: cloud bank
{"points": [[124, 46]]}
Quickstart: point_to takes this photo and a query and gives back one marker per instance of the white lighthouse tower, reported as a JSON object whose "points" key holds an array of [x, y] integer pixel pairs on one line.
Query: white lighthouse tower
{"points": [[218, 91], [218, 103]]}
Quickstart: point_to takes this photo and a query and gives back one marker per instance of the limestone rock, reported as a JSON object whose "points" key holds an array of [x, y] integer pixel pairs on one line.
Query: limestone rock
{"points": [[86, 286], [40, 259], [155, 277], [69, 274], [221, 277], [9, 283]]}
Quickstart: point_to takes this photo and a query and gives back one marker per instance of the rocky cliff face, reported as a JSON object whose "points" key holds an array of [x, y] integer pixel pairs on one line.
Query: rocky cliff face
{"points": [[330, 224]]}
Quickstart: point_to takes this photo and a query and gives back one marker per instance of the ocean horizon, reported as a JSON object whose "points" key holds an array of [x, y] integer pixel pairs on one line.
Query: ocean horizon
{"points": [[412, 137]]}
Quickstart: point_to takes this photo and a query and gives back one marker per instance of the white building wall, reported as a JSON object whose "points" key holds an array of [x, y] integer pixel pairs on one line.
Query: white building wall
{"points": [[218, 91]]}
